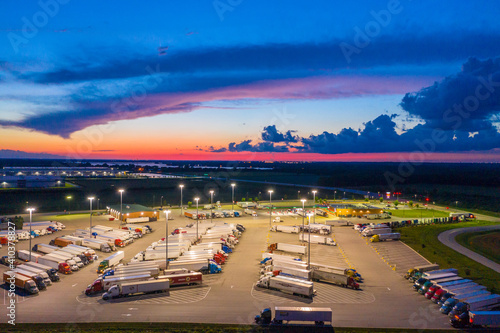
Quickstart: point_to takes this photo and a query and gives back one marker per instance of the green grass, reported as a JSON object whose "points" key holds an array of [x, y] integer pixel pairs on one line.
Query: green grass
{"points": [[423, 239], [417, 213], [486, 243], [484, 212], [187, 327]]}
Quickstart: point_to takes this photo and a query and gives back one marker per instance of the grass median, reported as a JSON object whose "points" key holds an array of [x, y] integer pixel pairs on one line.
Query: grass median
{"points": [[418, 213], [486, 243], [424, 240]]}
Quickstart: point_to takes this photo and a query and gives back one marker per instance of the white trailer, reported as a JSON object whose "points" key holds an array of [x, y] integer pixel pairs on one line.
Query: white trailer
{"points": [[291, 248], [281, 257], [287, 314], [42, 273], [292, 271], [25, 255], [483, 303], [377, 231], [96, 245], [142, 287], [74, 239], [289, 229], [316, 239], [288, 285], [45, 248], [111, 261]]}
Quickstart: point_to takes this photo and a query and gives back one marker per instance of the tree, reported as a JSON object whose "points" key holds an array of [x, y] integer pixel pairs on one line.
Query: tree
{"points": [[366, 199], [381, 199], [243, 199], [190, 203], [410, 203], [256, 199], [417, 205], [396, 203]]}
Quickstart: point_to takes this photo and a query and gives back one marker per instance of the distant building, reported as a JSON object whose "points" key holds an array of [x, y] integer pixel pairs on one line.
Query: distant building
{"points": [[31, 181], [133, 213], [347, 210]]}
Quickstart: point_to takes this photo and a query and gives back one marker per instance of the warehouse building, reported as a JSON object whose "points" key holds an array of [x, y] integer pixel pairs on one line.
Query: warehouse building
{"points": [[348, 210], [133, 213]]}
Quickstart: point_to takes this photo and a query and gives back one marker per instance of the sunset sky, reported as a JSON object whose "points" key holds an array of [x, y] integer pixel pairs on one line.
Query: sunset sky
{"points": [[252, 80]]}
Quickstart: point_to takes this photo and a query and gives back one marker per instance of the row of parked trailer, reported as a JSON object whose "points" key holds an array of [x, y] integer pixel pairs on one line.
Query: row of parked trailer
{"points": [[203, 248], [110, 238], [316, 228], [377, 232], [290, 274], [464, 301], [203, 215], [37, 229], [42, 267]]}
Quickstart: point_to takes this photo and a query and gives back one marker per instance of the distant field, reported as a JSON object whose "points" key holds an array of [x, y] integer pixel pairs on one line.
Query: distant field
{"points": [[423, 239], [418, 213], [486, 243]]}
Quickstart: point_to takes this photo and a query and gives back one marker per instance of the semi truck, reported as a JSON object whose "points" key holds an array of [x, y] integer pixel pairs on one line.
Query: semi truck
{"points": [[40, 284], [420, 269], [339, 270], [316, 239], [287, 248], [291, 271], [145, 229], [70, 258], [385, 237], [475, 303], [45, 248], [51, 272], [200, 265], [288, 285], [266, 256], [20, 281], [40, 272], [74, 240], [173, 253], [432, 274], [152, 270], [25, 255], [101, 285], [111, 261], [181, 279], [318, 315], [96, 245], [335, 278], [61, 242], [61, 265], [376, 231], [289, 229], [490, 319], [76, 253], [88, 252], [141, 287]]}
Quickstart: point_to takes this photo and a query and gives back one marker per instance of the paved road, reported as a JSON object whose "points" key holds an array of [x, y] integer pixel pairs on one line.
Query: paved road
{"points": [[448, 239]]}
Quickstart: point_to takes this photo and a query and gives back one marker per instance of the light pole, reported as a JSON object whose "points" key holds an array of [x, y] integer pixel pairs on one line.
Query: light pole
{"points": [[303, 216], [197, 199], [270, 207], [309, 246], [166, 238], [91, 198], [161, 202], [121, 204], [69, 202], [211, 204], [334, 194], [31, 215], [181, 186], [98, 202], [314, 202], [232, 202], [298, 194]]}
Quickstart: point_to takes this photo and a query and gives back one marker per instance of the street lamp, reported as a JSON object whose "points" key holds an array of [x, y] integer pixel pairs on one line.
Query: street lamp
{"points": [[334, 195], [314, 202], [197, 199], [211, 204], [232, 203], [270, 207], [309, 245], [181, 186], [121, 203], [90, 198], [166, 238], [69, 202], [303, 216], [161, 202], [31, 215]]}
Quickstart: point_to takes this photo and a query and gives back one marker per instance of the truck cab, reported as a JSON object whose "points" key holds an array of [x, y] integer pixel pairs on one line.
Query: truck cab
{"points": [[265, 317], [95, 287], [427, 285], [419, 283], [458, 309], [444, 298], [448, 305]]}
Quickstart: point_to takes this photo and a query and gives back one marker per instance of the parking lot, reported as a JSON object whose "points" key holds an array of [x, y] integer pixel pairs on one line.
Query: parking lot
{"points": [[385, 299]]}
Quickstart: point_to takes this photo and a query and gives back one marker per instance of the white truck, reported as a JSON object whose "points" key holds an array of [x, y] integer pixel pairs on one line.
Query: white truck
{"points": [[295, 272], [289, 285], [51, 272], [287, 314], [103, 284], [322, 229], [291, 248], [57, 256], [316, 239], [68, 256], [86, 250], [289, 229], [25, 255], [329, 276], [266, 256], [173, 253], [96, 245], [42, 273], [385, 237], [198, 265], [142, 287]]}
